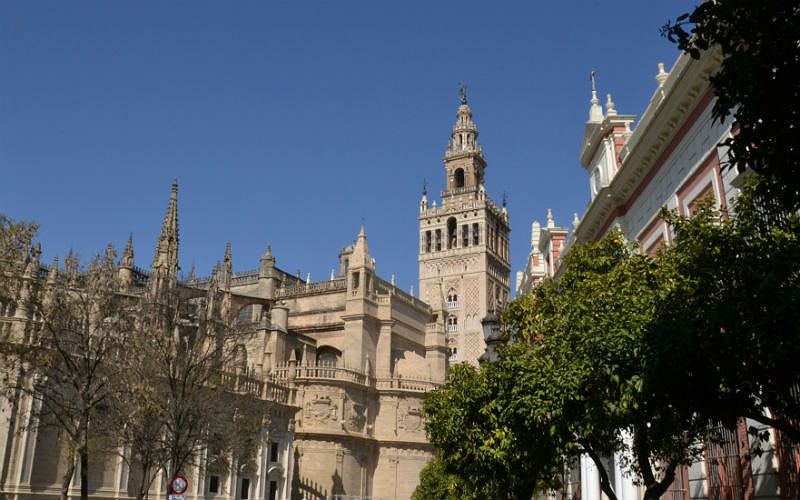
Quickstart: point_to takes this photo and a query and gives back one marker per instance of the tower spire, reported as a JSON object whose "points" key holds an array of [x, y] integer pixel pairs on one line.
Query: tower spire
{"points": [[595, 111], [164, 270]]}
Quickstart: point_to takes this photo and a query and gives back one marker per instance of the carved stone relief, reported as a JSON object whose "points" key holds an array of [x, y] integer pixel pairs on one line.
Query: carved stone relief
{"points": [[321, 409], [356, 416], [410, 416]]}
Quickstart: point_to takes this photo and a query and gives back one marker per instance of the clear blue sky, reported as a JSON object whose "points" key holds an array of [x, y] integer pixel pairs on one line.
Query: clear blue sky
{"points": [[287, 122]]}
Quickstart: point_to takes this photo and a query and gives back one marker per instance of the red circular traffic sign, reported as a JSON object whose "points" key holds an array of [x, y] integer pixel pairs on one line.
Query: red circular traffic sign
{"points": [[178, 484]]}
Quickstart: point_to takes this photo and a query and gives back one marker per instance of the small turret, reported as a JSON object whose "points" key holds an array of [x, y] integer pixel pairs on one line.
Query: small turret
{"points": [[52, 273], [611, 108], [267, 276], [127, 255]]}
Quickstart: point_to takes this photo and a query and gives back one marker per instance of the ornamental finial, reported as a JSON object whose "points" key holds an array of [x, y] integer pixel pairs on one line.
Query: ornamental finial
{"points": [[462, 93]]}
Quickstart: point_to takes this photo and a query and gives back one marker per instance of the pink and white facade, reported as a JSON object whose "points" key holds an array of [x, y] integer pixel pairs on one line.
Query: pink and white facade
{"points": [[670, 158]]}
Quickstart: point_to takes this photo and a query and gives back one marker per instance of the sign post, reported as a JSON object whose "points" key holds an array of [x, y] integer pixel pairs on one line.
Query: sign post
{"points": [[177, 486]]}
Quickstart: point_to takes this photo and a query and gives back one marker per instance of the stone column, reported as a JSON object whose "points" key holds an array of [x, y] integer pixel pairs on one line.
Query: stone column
{"points": [[590, 479], [623, 479]]}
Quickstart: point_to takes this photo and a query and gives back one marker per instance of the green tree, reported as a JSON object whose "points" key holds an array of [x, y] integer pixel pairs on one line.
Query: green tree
{"points": [[757, 83], [435, 483], [590, 372], [727, 336], [485, 434]]}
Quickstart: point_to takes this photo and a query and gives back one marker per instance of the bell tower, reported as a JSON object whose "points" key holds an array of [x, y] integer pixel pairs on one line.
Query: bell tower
{"points": [[464, 243]]}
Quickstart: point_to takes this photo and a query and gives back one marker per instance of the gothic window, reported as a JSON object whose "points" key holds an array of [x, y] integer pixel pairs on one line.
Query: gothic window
{"points": [[274, 452], [452, 229], [452, 299], [452, 324], [459, 178], [356, 278], [475, 234], [465, 235], [438, 240], [427, 241]]}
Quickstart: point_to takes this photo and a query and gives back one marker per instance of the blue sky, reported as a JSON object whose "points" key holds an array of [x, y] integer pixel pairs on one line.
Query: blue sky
{"points": [[287, 122]]}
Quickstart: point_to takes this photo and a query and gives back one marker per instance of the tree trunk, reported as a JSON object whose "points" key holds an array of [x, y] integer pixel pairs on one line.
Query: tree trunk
{"points": [[653, 488], [66, 479], [84, 453], [605, 482]]}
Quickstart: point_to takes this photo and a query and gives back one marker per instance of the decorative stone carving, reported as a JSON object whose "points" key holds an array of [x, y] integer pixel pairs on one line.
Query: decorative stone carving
{"points": [[321, 409], [410, 417], [355, 417]]}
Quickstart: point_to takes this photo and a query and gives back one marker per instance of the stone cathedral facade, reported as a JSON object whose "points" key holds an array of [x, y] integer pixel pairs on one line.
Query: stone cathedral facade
{"points": [[464, 244], [341, 366]]}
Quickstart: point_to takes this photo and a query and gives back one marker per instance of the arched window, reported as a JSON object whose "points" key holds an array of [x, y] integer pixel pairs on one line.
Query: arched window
{"points": [[327, 359], [452, 324], [452, 232], [459, 178], [452, 299]]}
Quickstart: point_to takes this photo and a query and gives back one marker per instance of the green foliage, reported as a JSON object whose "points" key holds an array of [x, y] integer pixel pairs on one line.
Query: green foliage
{"points": [[757, 82], [592, 366], [435, 483], [485, 432], [732, 323]]}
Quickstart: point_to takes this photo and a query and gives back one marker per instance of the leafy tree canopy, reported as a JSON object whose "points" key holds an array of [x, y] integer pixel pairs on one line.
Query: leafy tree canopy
{"points": [[592, 363], [757, 83], [726, 337], [486, 433]]}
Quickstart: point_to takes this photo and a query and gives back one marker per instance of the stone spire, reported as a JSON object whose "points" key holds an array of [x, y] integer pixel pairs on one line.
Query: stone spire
{"points": [[164, 270], [595, 111], [465, 132], [52, 274], [360, 256], [32, 269], [611, 108], [127, 254], [227, 268]]}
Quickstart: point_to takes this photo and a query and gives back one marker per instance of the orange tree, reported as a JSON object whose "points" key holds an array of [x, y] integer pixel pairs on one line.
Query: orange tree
{"points": [[591, 368], [489, 441]]}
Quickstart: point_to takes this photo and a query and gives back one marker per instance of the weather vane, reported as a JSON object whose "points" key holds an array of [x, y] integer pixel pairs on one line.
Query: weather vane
{"points": [[462, 93], [594, 72]]}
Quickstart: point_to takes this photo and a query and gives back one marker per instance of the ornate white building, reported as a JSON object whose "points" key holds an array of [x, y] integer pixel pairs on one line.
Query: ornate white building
{"points": [[671, 158]]}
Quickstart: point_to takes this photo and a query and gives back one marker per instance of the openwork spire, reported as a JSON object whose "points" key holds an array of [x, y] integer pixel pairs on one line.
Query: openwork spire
{"points": [[127, 254], [164, 270]]}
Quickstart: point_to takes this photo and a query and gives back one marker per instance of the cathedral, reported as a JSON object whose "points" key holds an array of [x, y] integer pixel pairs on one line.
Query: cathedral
{"points": [[342, 364]]}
